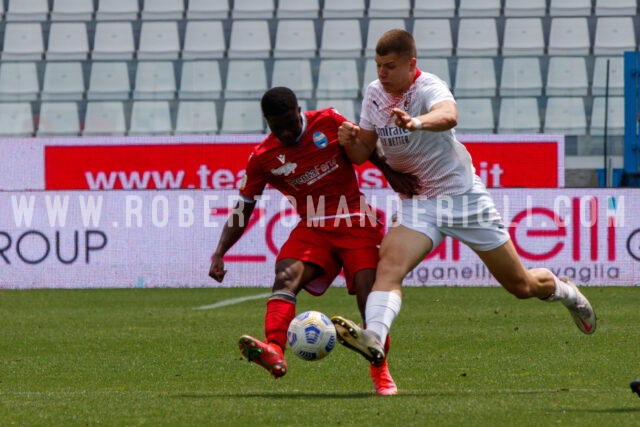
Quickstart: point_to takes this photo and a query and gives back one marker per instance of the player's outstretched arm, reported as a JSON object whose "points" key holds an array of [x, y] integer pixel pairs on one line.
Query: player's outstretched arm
{"points": [[232, 231], [357, 143]]}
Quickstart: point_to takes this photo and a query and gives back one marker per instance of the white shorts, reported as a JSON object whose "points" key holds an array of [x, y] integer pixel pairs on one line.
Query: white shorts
{"points": [[471, 217]]}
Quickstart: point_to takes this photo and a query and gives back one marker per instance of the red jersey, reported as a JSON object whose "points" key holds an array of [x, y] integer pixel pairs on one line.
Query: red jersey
{"points": [[316, 169]]}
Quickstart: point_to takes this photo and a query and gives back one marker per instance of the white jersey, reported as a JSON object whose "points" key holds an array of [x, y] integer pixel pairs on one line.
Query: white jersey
{"points": [[441, 163]]}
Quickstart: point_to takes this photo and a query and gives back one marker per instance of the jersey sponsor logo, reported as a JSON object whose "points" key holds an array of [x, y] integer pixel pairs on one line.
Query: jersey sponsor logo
{"points": [[320, 139], [314, 174], [286, 169], [281, 158]]}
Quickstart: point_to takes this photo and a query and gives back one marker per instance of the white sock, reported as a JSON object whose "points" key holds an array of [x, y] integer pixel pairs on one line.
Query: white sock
{"points": [[382, 308], [563, 292]]}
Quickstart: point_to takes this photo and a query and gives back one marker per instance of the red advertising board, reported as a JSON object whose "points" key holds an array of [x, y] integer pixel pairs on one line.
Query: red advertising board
{"points": [[533, 163]]}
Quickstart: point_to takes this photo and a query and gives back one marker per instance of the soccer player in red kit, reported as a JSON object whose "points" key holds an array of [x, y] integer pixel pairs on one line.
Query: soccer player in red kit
{"points": [[337, 229]]}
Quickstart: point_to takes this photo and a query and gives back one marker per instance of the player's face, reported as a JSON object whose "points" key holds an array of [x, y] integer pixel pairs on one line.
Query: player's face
{"points": [[286, 127], [395, 72]]}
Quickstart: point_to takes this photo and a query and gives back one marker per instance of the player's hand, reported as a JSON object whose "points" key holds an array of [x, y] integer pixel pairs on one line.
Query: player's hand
{"points": [[217, 271], [403, 120], [347, 133]]}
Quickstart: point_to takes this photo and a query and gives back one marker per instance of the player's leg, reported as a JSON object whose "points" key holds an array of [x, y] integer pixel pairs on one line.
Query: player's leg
{"points": [[401, 250], [291, 276], [505, 265]]}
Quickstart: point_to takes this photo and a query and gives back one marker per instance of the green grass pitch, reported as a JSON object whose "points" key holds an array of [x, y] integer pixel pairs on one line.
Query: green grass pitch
{"points": [[460, 356]]}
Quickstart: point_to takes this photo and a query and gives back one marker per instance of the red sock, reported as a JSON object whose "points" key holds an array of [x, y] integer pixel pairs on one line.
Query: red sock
{"points": [[276, 322]]}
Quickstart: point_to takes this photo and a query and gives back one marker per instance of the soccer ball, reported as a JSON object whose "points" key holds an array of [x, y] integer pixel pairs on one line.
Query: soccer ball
{"points": [[311, 335]]}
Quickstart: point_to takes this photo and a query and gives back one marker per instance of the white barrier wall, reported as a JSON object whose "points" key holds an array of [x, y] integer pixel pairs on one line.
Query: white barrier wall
{"points": [[152, 238]]}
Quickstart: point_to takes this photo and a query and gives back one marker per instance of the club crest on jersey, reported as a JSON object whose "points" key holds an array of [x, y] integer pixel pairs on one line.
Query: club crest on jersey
{"points": [[320, 139], [286, 169]]}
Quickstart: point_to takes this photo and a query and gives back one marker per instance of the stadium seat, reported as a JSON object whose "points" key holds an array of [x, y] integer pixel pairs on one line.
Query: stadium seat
{"points": [[294, 74], [16, 119], [27, 10], [104, 119], [370, 74], [519, 8], [616, 7], [58, 119], [242, 117], [523, 37], [19, 81], [475, 78], [477, 37], [616, 76], [208, 9], [196, 117], [341, 38], [376, 28], [521, 77], [68, 41], [615, 118], [519, 115], [614, 36], [203, 40], [246, 79], [475, 115], [22, 41], [252, 9], [389, 9], [296, 9], [437, 66], [249, 39], [438, 34], [338, 78], [295, 38], [570, 8], [72, 10], [479, 8], [155, 80], [565, 115], [150, 118], [567, 76], [159, 40], [113, 40], [343, 106], [117, 10], [343, 9], [569, 36], [434, 9], [109, 81], [200, 80], [63, 81], [162, 10]]}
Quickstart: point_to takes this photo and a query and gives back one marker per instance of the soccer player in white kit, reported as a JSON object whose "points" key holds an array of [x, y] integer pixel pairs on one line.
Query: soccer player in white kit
{"points": [[413, 113]]}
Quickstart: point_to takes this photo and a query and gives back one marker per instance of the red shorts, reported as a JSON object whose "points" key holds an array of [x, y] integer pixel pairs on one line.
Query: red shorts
{"points": [[332, 247]]}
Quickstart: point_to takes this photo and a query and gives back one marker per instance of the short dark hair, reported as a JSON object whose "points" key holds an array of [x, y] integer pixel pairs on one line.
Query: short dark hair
{"points": [[396, 41], [278, 100]]}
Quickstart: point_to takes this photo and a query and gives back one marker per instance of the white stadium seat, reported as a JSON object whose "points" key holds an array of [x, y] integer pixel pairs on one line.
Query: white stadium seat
{"points": [[155, 80], [63, 81], [615, 118], [246, 79], [200, 80], [249, 39], [113, 40], [196, 117], [376, 28], [477, 37], [614, 36], [68, 41], [23, 41], [162, 10], [27, 10], [19, 81], [565, 115], [569, 36], [389, 9], [519, 115], [109, 81], [525, 8], [16, 119], [58, 119], [203, 39], [475, 78], [521, 77], [294, 74], [616, 76], [72, 10], [295, 38], [208, 9], [438, 32], [296, 9], [150, 118], [341, 38], [523, 37], [159, 40], [434, 9], [475, 115], [117, 10], [567, 76], [104, 119], [338, 78], [479, 8], [242, 117], [343, 9]]}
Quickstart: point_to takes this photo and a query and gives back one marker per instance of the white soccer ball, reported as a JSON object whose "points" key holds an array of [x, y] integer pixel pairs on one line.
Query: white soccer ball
{"points": [[311, 335]]}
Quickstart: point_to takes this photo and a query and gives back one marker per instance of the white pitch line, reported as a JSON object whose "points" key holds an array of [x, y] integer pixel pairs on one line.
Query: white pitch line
{"points": [[231, 301]]}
